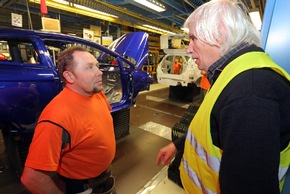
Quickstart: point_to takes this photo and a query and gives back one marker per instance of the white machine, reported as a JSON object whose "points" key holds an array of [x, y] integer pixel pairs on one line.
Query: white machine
{"points": [[174, 46]]}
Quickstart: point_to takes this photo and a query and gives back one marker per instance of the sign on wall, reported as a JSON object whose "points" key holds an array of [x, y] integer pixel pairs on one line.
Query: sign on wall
{"points": [[88, 34], [50, 24], [96, 29], [107, 40], [16, 20]]}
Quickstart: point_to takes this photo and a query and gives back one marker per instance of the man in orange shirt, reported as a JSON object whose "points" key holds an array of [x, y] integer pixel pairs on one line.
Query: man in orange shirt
{"points": [[80, 113], [176, 66]]}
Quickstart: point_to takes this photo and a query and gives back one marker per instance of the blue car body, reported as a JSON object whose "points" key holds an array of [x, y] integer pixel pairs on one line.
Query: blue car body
{"points": [[27, 86]]}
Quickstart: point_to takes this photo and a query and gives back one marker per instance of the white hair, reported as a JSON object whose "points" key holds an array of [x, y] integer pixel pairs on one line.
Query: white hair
{"points": [[223, 23]]}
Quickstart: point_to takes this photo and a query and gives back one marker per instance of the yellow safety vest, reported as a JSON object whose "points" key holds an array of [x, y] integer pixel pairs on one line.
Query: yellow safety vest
{"points": [[199, 169]]}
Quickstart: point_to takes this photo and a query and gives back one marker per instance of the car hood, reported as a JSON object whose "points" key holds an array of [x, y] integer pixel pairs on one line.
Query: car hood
{"points": [[134, 45]]}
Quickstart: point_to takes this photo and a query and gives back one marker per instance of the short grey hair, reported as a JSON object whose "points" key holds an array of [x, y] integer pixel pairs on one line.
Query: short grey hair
{"points": [[223, 23]]}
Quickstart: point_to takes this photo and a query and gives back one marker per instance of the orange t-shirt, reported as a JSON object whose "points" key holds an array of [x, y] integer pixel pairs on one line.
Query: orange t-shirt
{"points": [[176, 67], [90, 125], [204, 83]]}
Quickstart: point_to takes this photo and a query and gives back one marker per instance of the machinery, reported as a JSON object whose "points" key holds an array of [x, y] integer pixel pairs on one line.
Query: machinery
{"points": [[177, 68]]}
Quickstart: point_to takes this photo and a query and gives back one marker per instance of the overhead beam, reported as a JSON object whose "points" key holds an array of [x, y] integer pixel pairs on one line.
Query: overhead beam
{"points": [[7, 3], [190, 4], [68, 8], [150, 21], [253, 5]]}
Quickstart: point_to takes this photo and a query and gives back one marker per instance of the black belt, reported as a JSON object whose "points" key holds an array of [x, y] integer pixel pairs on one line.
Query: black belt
{"points": [[74, 186]]}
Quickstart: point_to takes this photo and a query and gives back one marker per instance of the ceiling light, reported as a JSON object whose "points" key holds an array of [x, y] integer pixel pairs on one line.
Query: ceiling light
{"points": [[62, 1], [85, 8], [256, 19], [152, 4], [186, 30], [93, 10], [160, 29]]}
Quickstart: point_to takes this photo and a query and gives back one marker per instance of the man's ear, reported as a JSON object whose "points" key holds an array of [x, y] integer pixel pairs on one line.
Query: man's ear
{"points": [[69, 76]]}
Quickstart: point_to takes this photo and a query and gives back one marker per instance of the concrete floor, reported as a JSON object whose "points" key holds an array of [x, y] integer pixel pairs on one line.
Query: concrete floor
{"points": [[134, 166]]}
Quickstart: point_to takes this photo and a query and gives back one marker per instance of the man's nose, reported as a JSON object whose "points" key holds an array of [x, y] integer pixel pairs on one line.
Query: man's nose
{"points": [[99, 72], [190, 47], [188, 50]]}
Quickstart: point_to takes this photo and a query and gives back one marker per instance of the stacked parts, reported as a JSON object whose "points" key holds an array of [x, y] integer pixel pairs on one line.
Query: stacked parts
{"points": [[178, 130]]}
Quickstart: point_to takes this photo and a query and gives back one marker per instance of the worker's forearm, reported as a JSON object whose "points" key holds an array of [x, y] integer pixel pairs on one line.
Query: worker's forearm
{"points": [[39, 182]]}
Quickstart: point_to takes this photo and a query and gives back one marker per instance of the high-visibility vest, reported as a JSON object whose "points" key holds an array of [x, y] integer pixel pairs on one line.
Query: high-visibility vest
{"points": [[199, 169]]}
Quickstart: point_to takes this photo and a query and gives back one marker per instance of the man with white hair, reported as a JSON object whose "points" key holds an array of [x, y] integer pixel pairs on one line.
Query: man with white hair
{"points": [[238, 141]]}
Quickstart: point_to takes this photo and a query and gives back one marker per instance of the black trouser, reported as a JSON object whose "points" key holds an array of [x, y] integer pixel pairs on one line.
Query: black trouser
{"points": [[101, 184]]}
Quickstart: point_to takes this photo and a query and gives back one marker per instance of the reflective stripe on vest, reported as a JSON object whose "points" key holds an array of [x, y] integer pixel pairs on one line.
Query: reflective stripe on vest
{"points": [[282, 172], [195, 178], [284, 165], [199, 169], [211, 161]]}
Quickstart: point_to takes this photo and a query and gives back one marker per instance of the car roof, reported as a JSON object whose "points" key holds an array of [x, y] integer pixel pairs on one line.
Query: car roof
{"points": [[122, 47]]}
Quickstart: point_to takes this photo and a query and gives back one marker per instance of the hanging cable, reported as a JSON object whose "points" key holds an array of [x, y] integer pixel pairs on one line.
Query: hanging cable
{"points": [[29, 17]]}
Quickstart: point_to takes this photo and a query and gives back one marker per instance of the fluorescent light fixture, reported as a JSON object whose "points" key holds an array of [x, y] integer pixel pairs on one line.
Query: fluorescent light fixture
{"points": [[159, 29], [62, 2], [85, 8], [186, 30], [93, 10], [152, 4], [256, 19]]}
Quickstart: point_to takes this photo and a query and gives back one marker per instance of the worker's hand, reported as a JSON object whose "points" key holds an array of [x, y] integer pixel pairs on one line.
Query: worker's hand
{"points": [[165, 154]]}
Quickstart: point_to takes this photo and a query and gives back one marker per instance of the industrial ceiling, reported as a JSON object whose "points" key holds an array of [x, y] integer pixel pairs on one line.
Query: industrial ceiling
{"points": [[128, 12], [176, 10]]}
